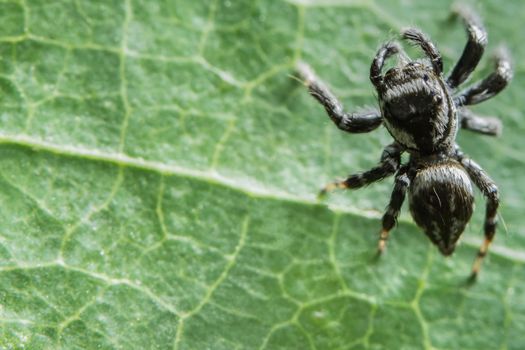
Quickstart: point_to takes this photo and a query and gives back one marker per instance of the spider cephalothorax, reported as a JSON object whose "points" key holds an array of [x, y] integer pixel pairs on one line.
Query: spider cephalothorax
{"points": [[423, 110], [414, 99], [417, 108]]}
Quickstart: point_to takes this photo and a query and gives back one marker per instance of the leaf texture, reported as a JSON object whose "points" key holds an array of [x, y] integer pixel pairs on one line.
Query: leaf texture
{"points": [[158, 175]]}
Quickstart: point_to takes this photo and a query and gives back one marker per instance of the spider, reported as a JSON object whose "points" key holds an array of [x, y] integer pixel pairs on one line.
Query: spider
{"points": [[422, 110]]}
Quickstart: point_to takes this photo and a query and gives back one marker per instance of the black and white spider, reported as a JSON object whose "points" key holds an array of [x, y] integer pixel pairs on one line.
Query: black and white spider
{"points": [[422, 111]]}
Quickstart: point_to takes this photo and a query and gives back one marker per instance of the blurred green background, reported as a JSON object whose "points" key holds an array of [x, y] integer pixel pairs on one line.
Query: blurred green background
{"points": [[159, 166]]}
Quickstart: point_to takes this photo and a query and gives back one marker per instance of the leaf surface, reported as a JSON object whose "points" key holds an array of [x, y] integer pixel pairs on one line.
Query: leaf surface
{"points": [[159, 172]]}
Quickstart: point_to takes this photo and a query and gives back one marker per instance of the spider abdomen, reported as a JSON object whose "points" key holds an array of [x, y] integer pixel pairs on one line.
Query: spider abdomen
{"points": [[441, 202]]}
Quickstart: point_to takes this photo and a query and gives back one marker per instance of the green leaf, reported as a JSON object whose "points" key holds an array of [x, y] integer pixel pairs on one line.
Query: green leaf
{"points": [[159, 168]]}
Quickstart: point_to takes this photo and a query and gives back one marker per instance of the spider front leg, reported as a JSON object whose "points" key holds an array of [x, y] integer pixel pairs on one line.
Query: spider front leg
{"points": [[417, 37], [392, 211], [491, 85], [386, 51], [483, 125], [490, 191], [349, 122], [390, 160], [477, 40]]}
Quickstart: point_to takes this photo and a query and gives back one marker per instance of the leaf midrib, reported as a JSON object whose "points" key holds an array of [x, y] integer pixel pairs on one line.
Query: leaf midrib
{"points": [[123, 160]]}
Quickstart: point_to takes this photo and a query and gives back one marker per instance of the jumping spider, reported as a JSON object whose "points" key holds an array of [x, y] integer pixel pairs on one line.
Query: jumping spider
{"points": [[422, 111]]}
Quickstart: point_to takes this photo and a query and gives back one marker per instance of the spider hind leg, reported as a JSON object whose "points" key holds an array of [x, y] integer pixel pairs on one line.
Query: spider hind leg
{"points": [[397, 198]]}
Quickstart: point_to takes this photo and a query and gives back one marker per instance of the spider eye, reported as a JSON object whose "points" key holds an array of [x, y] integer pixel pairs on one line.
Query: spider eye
{"points": [[425, 77]]}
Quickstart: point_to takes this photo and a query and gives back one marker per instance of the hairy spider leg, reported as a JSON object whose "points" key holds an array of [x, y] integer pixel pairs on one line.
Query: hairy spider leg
{"points": [[490, 191], [483, 125], [394, 206], [473, 51], [389, 164], [385, 51], [492, 84], [349, 122], [416, 37]]}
